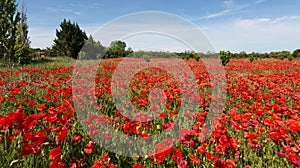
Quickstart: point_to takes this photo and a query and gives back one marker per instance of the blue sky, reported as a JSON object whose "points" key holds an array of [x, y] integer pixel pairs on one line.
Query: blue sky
{"points": [[254, 25]]}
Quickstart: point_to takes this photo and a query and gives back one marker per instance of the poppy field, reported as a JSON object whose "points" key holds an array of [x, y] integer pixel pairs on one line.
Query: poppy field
{"points": [[259, 125]]}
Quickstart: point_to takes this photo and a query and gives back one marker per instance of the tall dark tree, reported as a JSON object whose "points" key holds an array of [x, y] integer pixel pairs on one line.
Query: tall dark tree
{"points": [[69, 39], [92, 49], [9, 18]]}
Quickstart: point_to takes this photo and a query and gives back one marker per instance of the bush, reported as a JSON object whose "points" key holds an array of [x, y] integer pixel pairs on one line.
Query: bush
{"points": [[22, 54], [224, 57]]}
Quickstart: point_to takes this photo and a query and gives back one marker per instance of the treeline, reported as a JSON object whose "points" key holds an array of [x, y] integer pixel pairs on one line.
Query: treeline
{"points": [[225, 56]]}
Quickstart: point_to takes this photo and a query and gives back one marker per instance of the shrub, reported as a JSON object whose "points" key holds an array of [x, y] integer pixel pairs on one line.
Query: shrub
{"points": [[22, 54]]}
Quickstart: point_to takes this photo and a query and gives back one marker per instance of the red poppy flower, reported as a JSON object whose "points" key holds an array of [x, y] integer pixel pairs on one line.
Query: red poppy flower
{"points": [[259, 111], [138, 166], [31, 103], [57, 163], [18, 116], [97, 164], [281, 154], [111, 166], [294, 158], [89, 147], [2, 98], [201, 149], [229, 163], [194, 159], [33, 118], [62, 135], [54, 153], [275, 135], [183, 164], [160, 147], [162, 115], [27, 149], [159, 157], [41, 107], [76, 137], [177, 156], [268, 121], [211, 157]]}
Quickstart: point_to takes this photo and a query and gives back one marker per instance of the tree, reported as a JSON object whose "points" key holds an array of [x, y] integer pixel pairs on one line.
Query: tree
{"points": [[69, 39], [22, 29], [225, 57], [296, 53], [242, 54], [9, 18], [118, 45], [251, 58], [290, 57], [92, 49], [117, 49], [22, 49]]}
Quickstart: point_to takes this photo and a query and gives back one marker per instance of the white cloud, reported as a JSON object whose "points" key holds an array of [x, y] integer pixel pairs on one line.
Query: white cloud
{"points": [[228, 10], [280, 19], [285, 19], [218, 14], [74, 7], [256, 21], [248, 22], [85, 5], [257, 34], [62, 10]]}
